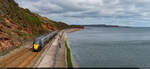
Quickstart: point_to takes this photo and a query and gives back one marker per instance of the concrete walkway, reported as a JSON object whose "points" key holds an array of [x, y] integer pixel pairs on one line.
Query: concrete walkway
{"points": [[55, 55], [61, 58]]}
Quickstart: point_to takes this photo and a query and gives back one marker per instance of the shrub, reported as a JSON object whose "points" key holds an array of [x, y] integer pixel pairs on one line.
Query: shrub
{"points": [[24, 36]]}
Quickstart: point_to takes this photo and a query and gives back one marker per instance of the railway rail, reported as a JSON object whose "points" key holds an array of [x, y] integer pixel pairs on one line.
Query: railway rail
{"points": [[23, 57]]}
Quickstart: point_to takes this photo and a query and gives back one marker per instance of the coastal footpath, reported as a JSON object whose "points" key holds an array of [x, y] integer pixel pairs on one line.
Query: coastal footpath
{"points": [[59, 53]]}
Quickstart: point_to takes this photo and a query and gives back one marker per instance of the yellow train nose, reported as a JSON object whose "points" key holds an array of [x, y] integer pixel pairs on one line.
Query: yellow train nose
{"points": [[35, 46]]}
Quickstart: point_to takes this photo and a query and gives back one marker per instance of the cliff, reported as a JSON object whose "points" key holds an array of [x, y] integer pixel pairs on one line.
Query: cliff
{"points": [[18, 25]]}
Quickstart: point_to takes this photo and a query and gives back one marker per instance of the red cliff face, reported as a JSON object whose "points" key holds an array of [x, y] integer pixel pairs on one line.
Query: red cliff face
{"points": [[18, 24]]}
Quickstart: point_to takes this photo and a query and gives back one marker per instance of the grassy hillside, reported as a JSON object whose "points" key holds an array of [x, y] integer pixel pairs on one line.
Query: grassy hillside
{"points": [[19, 24]]}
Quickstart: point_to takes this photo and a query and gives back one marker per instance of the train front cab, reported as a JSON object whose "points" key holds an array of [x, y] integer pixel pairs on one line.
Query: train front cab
{"points": [[37, 46]]}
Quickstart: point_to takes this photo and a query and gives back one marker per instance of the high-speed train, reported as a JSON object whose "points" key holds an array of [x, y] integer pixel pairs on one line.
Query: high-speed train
{"points": [[41, 41]]}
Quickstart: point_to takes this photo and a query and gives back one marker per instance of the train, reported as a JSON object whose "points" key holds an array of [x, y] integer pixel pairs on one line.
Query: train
{"points": [[41, 41]]}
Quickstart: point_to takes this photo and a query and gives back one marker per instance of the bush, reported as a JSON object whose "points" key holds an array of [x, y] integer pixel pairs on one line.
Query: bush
{"points": [[24, 36]]}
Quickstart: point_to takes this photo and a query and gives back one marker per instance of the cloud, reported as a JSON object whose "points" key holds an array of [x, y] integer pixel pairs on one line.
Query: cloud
{"points": [[95, 9]]}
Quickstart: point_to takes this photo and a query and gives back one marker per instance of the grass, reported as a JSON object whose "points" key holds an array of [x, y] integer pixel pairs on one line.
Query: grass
{"points": [[4, 52], [69, 62], [33, 20]]}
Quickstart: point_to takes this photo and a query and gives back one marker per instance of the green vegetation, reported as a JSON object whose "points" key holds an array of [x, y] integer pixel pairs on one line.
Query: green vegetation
{"points": [[33, 20], [52, 24], [24, 36], [4, 52], [2, 19], [68, 56], [17, 31], [76, 26], [18, 23], [30, 35], [7, 51], [61, 25], [9, 32]]}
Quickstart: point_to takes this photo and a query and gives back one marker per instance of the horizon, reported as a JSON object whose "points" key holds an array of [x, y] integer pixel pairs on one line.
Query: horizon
{"points": [[84, 12], [112, 25]]}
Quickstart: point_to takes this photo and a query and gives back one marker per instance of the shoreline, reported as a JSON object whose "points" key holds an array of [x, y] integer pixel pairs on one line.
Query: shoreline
{"points": [[73, 30], [73, 60]]}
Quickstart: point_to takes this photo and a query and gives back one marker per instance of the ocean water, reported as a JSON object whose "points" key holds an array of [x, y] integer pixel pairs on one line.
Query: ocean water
{"points": [[111, 47]]}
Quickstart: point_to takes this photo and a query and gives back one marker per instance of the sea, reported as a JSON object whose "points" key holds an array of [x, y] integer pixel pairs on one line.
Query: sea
{"points": [[111, 46]]}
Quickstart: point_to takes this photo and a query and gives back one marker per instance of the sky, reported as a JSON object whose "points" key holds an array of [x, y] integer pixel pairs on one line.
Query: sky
{"points": [[81, 12]]}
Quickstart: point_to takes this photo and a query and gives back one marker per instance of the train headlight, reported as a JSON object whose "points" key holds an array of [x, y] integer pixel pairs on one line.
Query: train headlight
{"points": [[35, 46]]}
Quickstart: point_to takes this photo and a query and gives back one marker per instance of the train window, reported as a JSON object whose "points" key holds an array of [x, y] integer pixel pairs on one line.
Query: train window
{"points": [[36, 42]]}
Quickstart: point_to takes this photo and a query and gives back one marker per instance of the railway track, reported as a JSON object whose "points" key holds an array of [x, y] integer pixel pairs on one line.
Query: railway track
{"points": [[24, 57]]}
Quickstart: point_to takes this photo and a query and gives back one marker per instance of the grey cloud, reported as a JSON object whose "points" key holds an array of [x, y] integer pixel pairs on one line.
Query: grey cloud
{"points": [[78, 9], [98, 7]]}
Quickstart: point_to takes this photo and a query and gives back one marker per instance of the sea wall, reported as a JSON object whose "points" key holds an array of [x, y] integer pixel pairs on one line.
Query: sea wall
{"points": [[71, 57]]}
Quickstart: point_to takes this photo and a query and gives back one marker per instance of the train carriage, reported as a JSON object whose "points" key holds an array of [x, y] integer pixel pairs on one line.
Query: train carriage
{"points": [[40, 42]]}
